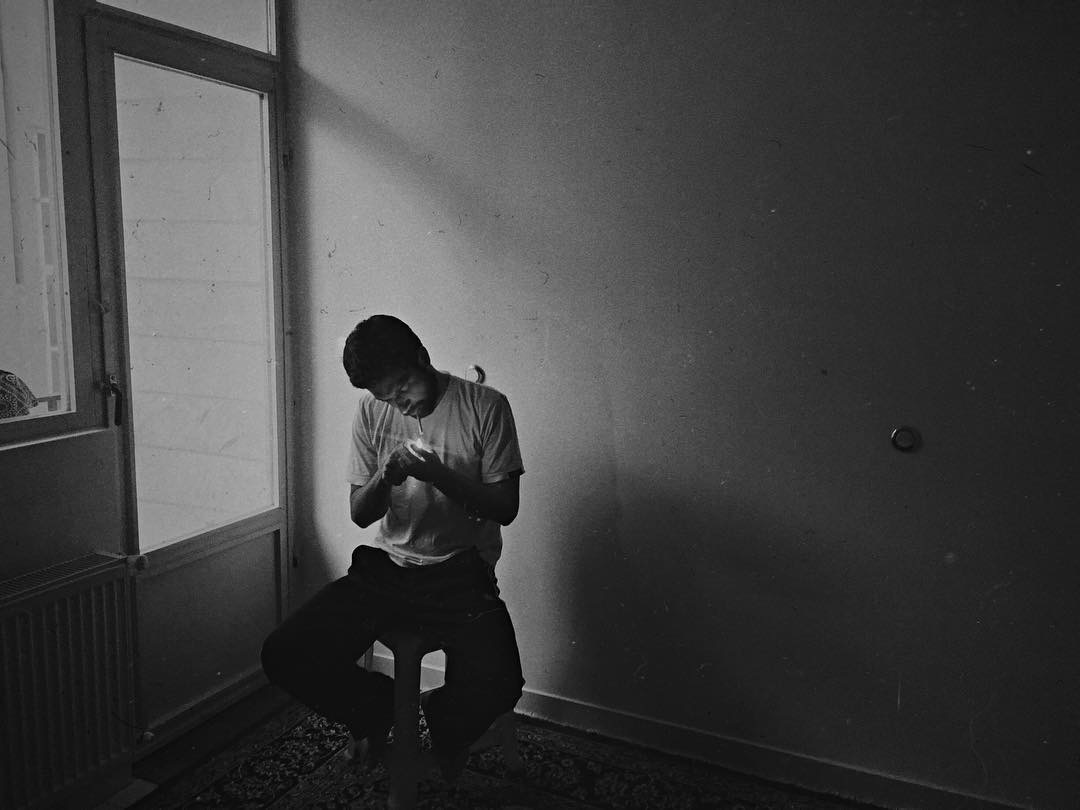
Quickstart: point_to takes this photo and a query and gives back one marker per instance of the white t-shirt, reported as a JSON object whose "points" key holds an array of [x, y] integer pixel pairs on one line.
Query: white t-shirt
{"points": [[472, 430]]}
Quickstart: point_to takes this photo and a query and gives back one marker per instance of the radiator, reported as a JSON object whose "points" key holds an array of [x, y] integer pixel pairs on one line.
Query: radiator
{"points": [[66, 679]]}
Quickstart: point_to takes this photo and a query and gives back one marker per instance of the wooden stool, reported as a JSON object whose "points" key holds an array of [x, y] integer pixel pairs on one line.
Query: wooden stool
{"points": [[406, 765]]}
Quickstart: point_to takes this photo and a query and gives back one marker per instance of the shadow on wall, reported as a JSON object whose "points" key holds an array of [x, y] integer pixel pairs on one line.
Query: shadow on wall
{"points": [[701, 615], [717, 619]]}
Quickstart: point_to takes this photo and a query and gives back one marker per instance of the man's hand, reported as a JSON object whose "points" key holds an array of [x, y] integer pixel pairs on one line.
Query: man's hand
{"points": [[393, 470], [495, 501], [416, 458]]}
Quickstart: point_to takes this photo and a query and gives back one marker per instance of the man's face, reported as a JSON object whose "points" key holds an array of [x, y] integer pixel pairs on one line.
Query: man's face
{"points": [[411, 390]]}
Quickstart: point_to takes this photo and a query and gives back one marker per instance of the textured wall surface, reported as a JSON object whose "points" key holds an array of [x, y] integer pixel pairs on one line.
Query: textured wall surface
{"points": [[714, 253]]}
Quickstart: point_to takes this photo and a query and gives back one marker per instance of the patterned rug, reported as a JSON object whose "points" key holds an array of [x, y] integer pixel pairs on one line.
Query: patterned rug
{"points": [[297, 761]]}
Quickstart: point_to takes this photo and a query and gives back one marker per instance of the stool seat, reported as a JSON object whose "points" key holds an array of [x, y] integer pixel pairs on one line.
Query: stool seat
{"points": [[405, 764], [410, 640]]}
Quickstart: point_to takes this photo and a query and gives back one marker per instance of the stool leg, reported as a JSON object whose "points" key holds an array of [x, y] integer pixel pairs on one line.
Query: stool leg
{"points": [[403, 764]]}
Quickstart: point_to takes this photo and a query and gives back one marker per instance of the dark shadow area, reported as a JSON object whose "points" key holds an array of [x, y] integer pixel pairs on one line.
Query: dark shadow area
{"points": [[713, 619]]}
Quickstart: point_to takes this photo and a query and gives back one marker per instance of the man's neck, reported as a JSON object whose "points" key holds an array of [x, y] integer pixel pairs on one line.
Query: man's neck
{"points": [[442, 382]]}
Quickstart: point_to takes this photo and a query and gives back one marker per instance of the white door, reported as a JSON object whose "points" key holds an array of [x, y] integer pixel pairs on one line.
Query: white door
{"points": [[186, 178]]}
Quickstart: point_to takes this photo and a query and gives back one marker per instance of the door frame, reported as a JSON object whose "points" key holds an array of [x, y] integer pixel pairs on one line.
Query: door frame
{"points": [[109, 33]]}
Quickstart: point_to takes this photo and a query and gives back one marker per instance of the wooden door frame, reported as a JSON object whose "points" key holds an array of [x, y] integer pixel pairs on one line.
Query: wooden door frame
{"points": [[110, 33]]}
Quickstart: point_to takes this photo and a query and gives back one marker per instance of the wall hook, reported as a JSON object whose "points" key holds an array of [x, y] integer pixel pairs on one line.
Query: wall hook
{"points": [[906, 439]]}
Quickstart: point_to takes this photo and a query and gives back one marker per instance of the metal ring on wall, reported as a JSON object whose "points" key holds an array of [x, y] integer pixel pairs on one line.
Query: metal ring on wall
{"points": [[906, 439]]}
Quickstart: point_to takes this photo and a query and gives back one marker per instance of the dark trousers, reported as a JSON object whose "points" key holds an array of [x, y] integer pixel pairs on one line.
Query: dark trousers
{"points": [[313, 655]]}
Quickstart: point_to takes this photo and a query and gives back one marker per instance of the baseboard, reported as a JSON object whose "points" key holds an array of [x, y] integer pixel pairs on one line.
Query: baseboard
{"points": [[773, 764], [197, 711]]}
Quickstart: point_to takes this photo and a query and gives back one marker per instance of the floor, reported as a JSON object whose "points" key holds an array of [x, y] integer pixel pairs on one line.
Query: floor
{"points": [[214, 735]]}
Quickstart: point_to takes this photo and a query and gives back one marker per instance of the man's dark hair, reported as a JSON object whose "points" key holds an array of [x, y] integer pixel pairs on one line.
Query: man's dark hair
{"points": [[379, 345]]}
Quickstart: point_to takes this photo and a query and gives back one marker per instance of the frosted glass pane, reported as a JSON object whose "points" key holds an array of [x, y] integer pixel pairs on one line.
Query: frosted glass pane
{"points": [[245, 22], [198, 279], [36, 373]]}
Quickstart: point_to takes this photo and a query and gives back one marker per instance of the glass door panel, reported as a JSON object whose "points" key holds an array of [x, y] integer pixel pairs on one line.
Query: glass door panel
{"points": [[195, 195], [36, 371]]}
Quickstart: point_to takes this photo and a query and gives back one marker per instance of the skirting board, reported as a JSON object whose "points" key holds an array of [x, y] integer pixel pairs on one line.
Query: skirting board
{"points": [[198, 710], [775, 765]]}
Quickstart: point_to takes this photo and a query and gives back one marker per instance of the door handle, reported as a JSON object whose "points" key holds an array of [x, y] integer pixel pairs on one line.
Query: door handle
{"points": [[117, 394]]}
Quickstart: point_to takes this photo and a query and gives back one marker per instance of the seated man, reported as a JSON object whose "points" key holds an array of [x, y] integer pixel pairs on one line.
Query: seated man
{"points": [[435, 460]]}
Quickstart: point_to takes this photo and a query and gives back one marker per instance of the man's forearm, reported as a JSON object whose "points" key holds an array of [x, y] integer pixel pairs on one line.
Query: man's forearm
{"points": [[369, 502], [496, 502]]}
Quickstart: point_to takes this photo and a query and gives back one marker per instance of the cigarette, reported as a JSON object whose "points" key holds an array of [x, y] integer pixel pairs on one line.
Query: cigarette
{"points": [[421, 425]]}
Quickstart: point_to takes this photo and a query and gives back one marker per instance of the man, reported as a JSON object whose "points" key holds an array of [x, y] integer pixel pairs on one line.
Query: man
{"points": [[435, 461]]}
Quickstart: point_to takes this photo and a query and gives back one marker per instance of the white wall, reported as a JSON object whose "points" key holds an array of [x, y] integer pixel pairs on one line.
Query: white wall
{"points": [[714, 253]]}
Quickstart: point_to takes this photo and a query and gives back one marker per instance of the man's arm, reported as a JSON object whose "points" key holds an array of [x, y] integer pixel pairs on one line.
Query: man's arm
{"points": [[369, 502], [497, 501]]}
